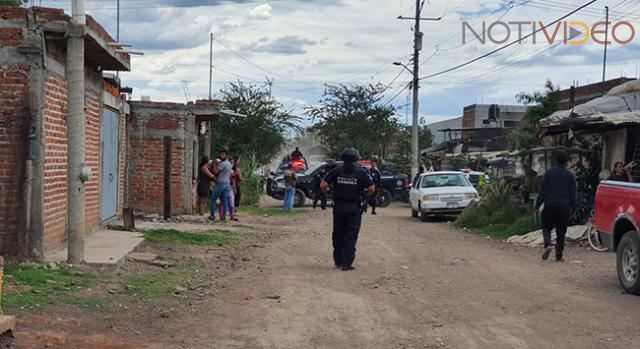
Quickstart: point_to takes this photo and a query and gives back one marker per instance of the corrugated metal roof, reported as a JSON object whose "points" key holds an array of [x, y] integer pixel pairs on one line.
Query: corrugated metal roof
{"points": [[620, 106], [617, 118]]}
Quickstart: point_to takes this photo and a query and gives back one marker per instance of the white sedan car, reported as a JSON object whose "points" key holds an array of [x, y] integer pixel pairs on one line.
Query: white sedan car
{"points": [[441, 193]]}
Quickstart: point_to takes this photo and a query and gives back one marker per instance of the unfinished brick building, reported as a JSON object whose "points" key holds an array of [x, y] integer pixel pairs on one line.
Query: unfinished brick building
{"points": [[33, 138], [151, 123]]}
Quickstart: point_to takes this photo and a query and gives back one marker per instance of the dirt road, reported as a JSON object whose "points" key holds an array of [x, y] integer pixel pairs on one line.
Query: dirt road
{"points": [[417, 285]]}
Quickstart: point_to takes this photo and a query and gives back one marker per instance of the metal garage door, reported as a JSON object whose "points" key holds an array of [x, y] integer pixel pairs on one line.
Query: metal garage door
{"points": [[110, 139]]}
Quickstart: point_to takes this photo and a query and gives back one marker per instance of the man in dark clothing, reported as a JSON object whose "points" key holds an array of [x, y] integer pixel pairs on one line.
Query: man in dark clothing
{"points": [[376, 177], [349, 182], [318, 194], [557, 199], [296, 154]]}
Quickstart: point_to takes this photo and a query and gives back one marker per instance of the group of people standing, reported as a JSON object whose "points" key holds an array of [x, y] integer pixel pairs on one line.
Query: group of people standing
{"points": [[219, 180]]}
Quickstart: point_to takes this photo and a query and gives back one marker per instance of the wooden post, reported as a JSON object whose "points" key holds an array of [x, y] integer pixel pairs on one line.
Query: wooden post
{"points": [[167, 177], [129, 219]]}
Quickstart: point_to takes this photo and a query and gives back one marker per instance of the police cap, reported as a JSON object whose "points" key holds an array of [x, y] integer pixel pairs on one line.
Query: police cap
{"points": [[350, 154]]}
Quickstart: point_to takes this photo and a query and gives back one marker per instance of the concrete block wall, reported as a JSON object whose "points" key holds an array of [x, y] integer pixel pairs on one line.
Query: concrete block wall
{"points": [[150, 123]]}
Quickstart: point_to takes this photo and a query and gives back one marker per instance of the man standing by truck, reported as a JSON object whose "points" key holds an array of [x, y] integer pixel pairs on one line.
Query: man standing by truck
{"points": [[557, 200]]}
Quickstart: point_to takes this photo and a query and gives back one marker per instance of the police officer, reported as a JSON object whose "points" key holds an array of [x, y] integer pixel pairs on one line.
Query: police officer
{"points": [[317, 193], [376, 177], [349, 182]]}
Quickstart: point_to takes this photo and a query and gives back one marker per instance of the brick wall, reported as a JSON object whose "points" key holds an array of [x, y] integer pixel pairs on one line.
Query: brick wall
{"points": [[122, 162], [14, 127], [589, 92], [23, 85], [146, 157], [10, 36], [93, 154], [55, 161]]}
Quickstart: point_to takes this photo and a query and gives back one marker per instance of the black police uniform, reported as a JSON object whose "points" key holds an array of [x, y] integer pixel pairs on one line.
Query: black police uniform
{"points": [[376, 177], [348, 186], [318, 194]]}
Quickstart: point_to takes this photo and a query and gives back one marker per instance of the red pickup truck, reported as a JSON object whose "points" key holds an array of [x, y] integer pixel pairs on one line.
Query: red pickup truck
{"points": [[617, 218]]}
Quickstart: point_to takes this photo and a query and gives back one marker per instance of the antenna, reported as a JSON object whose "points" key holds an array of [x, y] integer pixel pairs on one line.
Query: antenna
{"points": [[185, 89]]}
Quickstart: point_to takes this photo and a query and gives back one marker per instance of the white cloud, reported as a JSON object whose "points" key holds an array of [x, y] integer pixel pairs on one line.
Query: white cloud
{"points": [[304, 44], [262, 12]]}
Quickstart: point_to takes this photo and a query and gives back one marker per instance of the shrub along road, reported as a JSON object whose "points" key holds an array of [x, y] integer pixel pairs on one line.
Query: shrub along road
{"points": [[417, 285]]}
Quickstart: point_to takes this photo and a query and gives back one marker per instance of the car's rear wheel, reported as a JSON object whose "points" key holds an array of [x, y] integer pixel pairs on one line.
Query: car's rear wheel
{"points": [[628, 262], [299, 198], [384, 198]]}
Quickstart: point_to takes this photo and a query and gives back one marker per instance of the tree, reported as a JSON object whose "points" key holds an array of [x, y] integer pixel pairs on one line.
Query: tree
{"points": [[401, 157], [12, 2], [262, 131], [354, 116], [541, 105]]}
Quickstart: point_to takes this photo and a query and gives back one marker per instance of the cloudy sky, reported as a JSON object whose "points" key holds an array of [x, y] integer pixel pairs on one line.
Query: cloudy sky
{"points": [[304, 44]]}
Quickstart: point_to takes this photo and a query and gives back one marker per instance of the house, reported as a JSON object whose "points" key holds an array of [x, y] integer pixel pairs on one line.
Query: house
{"points": [[438, 129], [611, 122], [493, 115], [33, 137], [483, 129]]}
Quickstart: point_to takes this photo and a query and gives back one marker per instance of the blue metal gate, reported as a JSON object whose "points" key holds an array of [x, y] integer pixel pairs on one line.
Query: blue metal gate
{"points": [[110, 138]]}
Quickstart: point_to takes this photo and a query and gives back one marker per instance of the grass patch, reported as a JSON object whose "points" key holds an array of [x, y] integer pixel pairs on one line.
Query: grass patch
{"points": [[498, 219], [209, 238], [35, 287], [161, 283], [259, 211]]}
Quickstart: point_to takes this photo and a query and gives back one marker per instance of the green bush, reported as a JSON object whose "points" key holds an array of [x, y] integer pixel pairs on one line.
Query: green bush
{"points": [[251, 185], [497, 217], [499, 191]]}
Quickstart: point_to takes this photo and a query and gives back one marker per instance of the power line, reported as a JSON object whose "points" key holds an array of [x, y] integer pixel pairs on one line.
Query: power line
{"points": [[392, 81], [407, 86], [526, 60], [483, 19], [505, 46], [475, 38]]}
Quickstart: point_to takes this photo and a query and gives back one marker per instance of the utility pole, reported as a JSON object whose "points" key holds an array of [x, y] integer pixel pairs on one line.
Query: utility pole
{"points": [[118, 28], [606, 39], [210, 67], [77, 172], [208, 135], [417, 47], [117, 20]]}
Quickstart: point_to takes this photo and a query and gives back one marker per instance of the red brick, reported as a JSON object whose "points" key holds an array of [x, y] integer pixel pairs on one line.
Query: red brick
{"points": [[13, 131]]}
